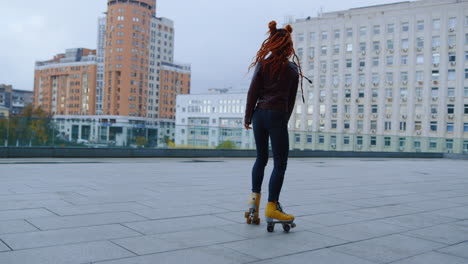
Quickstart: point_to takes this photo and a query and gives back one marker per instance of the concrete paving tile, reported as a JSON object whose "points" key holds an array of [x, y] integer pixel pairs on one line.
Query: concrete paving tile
{"points": [[432, 258], [179, 240], [97, 208], [389, 200], [319, 208], [176, 224], [338, 218], [460, 250], [33, 204], [209, 254], [361, 230], [24, 213], [443, 233], [66, 254], [235, 217], [455, 212], [15, 226], [286, 243], [252, 231], [321, 256], [388, 248], [173, 212], [60, 222], [3, 247], [419, 220], [66, 236], [434, 204]]}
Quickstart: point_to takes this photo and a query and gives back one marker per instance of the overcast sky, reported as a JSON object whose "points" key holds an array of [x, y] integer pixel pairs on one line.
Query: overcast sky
{"points": [[218, 37]]}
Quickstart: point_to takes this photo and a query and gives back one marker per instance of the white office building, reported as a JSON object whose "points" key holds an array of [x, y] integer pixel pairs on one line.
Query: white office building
{"points": [[207, 120], [392, 77]]}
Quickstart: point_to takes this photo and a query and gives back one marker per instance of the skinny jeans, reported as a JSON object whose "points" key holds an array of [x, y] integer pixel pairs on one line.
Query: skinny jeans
{"points": [[270, 124]]}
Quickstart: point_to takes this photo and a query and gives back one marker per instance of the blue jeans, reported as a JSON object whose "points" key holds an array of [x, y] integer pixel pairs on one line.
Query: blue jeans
{"points": [[270, 124]]}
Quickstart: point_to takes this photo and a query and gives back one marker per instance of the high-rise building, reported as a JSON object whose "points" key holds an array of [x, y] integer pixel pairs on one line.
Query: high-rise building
{"points": [[394, 75], [66, 84], [100, 53]]}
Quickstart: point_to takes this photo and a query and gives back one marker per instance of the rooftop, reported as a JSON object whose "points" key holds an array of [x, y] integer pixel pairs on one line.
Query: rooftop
{"points": [[122, 211]]}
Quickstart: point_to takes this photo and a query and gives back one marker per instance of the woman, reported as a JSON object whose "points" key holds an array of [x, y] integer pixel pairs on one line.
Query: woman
{"points": [[270, 102]]}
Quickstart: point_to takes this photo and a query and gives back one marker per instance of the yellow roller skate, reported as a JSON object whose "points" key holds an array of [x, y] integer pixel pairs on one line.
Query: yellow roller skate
{"points": [[254, 208], [274, 214]]}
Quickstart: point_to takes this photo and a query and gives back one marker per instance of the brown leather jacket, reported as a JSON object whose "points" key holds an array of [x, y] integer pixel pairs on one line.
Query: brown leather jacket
{"points": [[268, 93]]}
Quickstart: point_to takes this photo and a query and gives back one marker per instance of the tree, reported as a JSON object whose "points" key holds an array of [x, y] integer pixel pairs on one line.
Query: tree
{"points": [[141, 141], [226, 145]]}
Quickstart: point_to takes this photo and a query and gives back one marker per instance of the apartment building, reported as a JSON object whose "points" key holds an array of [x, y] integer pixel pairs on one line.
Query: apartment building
{"points": [[206, 120], [12, 101], [66, 84], [393, 76]]}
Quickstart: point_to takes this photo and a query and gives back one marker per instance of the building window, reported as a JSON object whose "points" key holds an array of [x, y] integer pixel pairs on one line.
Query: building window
{"points": [[362, 63], [465, 92], [449, 144], [375, 61], [359, 140], [387, 141], [420, 25], [452, 23], [376, 29], [404, 59], [336, 49], [324, 50], [435, 75], [435, 92], [433, 126], [436, 58], [436, 41], [451, 91], [373, 141], [349, 47], [388, 125], [312, 36], [451, 75], [403, 126], [309, 138], [404, 43], [436, 24], [432, 143], [451, 40], [349, 32], [362, 31], [465, 109], [420, 43], [390, 44], [337, 34], [465, 127], [452, 57], [349, 63], [321, 139], [450, 127], [374, 109], [300, 37], [405, 27], [390, 28], [450, 109], [389, 60], [346, 140], [420, 59], [388, 93], [324, 35]]}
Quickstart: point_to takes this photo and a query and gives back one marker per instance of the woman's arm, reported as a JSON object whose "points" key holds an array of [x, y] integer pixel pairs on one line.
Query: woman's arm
{"points": [[253, 94]]}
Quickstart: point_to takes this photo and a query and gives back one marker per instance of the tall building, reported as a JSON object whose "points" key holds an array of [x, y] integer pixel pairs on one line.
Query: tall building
{"points": [[137, 45], [100, 53], [66, 84], [174, 80], [394, 75]]}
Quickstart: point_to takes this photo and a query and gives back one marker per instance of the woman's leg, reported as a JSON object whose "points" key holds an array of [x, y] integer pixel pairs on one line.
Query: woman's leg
{"points": [[261, 142], [280, 147]]}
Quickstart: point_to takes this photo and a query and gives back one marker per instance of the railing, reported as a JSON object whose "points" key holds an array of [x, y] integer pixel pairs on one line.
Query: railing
{"points": [[39, 132]]}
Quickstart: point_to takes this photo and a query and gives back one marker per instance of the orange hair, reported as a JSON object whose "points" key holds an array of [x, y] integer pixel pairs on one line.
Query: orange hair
{"points": [[280, 45]]}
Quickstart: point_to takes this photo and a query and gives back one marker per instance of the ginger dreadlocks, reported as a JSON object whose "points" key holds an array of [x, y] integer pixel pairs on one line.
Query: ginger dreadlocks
{"points": [[280, 45]]}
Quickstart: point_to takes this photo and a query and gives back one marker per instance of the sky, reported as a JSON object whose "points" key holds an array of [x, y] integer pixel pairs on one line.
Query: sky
{"points": [[219, 38]]}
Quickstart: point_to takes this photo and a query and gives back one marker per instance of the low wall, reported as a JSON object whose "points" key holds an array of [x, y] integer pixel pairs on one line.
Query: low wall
{"points": [[28, 152]]}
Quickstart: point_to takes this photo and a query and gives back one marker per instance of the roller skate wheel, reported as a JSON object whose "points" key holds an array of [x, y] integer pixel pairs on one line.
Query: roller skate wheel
{"points": [[293, 225], [257, 221], [249, 220], [270, 228], [286, 228]]}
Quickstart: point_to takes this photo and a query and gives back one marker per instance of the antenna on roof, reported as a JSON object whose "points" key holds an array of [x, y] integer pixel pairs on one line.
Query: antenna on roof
{"points": [[320, 12]]}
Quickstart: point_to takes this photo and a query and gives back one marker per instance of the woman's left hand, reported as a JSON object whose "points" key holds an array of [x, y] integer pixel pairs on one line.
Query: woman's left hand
{"points": [[247, 126]]}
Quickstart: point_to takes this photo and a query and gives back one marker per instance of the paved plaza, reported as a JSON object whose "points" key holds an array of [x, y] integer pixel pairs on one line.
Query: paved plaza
{"points": [[146, 211]]}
